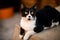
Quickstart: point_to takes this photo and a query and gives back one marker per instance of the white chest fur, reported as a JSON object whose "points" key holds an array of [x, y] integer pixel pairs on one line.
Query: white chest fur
{"points": [[27, 25]]}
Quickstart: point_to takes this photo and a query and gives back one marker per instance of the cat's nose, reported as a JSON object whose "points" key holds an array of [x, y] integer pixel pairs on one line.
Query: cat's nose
{"points": [[29, 16]]}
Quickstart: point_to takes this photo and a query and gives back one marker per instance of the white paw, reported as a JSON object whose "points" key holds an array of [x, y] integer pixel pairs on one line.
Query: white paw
{"points": [[52, 25], [28, 34], [55, 24], [21, 36], [46, 28], [25, 38]]}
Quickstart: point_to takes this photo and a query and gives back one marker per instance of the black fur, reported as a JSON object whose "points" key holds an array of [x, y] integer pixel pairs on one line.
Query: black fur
{"points": [[38, 27], [22, 31], [25, 9], [46, 15]]}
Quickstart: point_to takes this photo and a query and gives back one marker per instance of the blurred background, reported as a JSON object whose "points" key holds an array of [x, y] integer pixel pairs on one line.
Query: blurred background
{"points": [[10, 13], [7, 7]]}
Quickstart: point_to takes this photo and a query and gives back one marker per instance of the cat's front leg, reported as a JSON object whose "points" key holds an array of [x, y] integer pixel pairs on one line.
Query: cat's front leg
{"points": [[22, 32], [28, 34], [20, 36]]}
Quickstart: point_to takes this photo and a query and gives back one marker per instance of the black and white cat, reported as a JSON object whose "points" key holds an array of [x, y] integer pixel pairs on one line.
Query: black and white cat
{"points": [[32, 22], [28, 22]]}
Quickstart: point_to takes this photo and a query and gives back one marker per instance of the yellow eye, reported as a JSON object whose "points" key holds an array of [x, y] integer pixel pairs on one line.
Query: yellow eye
{"points": [[32, 13], [26, 13]]}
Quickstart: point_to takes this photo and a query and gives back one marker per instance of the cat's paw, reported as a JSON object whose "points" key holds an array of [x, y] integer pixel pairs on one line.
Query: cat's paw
{"points": [[21, 36], [25, 38], [46, 28], [54, 24]]}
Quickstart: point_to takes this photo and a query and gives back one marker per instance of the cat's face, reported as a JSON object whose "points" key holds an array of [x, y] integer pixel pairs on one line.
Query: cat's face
{"points": [[28, 13]]}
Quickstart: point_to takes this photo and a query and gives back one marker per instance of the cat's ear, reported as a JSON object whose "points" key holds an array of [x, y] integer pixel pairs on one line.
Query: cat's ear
{"points": [[35, 6], [22, 6]]}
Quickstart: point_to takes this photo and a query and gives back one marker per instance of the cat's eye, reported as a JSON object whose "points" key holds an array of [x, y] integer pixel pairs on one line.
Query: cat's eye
{"points": [[26, 13], [32, 13]]}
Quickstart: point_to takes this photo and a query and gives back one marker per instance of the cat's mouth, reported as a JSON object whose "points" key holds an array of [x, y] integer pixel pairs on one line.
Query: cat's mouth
{"points": [[29, 19]]}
